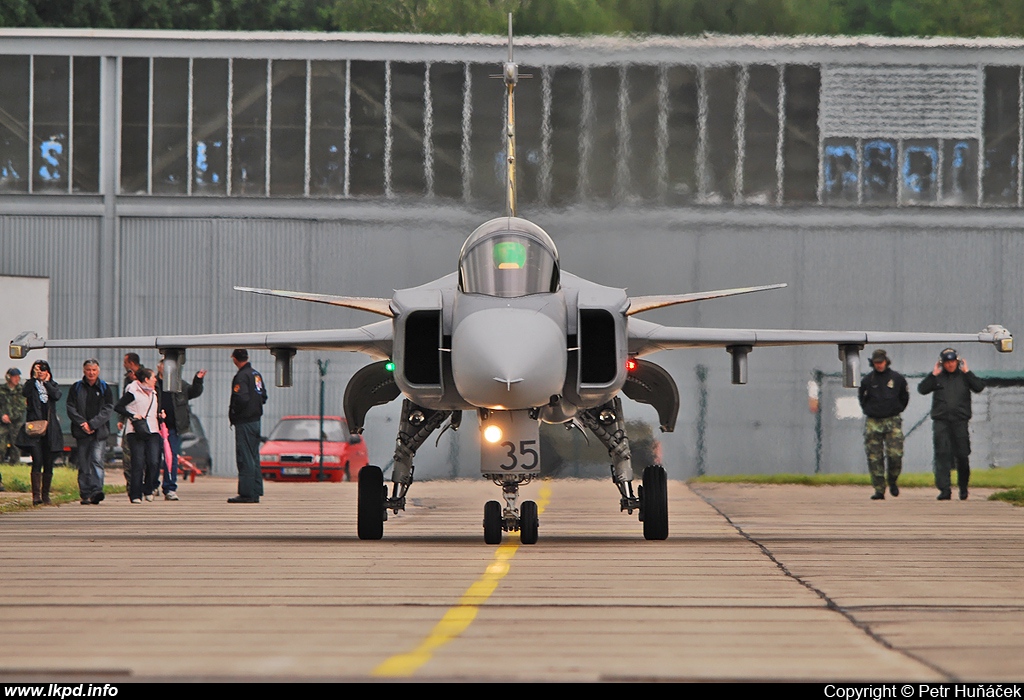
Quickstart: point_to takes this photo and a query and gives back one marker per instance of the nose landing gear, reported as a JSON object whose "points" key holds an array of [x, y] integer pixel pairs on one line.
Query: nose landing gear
{"points": [[512, 518]]}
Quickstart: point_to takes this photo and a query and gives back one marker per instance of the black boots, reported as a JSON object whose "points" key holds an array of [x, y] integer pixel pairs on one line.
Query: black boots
{"points": [[894, 489], [37, 482], [47, 478]]}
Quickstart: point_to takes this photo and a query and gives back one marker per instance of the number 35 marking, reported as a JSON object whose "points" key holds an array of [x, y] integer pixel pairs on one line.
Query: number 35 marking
{"points": [[524, 450]]}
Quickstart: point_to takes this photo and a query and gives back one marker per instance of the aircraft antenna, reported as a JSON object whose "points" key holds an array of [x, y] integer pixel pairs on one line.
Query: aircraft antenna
{"points": [[511, 74]]}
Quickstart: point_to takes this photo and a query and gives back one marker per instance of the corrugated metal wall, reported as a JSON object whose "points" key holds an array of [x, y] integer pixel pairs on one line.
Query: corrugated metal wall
{"points": [[900, 272]]}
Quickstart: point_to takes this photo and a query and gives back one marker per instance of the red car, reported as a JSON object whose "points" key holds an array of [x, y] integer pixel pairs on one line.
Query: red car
{"points": [[292, 452]]}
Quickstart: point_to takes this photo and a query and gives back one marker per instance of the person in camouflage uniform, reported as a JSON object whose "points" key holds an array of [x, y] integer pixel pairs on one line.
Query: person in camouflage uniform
{"points": [[12, 416], [883, 396]]}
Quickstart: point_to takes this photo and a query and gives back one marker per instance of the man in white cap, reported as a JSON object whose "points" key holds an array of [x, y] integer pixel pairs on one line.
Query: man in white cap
{"points": [[950, 385]]}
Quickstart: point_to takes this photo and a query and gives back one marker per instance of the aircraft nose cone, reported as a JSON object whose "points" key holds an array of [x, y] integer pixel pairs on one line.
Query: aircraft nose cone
{"points": [[508, 358]]}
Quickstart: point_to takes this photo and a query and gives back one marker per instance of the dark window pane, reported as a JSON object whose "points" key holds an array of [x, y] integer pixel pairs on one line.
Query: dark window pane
{"points": [[602, 137], [14, 173], [209, 126], [288, 128], [999, 179], [566, 112], [134, 124], [960, 172], [407, 128], [487, 185], [50, 124], [447, 81], [879, 171], [761, 135], [920, 171], [86, 143], [367, 141], [249, 127], [170, 125], [640, 153], [529, 140], [841, 171], [720, 84], [327, 128], [682, 134], [800, 148]]}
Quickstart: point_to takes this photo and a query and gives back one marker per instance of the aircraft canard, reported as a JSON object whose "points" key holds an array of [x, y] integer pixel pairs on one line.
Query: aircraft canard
{"points": [[514, 338]]}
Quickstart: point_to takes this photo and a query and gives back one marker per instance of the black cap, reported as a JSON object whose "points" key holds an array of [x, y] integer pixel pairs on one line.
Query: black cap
{"points": [[879, 355], [14, 372], [948, 354]]}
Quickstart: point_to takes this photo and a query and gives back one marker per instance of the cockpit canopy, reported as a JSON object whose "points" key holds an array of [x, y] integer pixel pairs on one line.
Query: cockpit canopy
{"points": [[508, 257]]}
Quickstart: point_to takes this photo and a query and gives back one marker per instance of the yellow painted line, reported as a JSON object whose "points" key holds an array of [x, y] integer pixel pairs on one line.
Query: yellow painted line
{"points": [[459, 617]]}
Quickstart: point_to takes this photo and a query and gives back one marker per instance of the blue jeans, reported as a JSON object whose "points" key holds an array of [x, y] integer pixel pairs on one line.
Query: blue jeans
{"points": [[90, 466], [171, 470]]}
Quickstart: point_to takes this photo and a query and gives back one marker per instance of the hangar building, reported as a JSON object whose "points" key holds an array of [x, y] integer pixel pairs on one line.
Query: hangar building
{"points": [[144, 174]]}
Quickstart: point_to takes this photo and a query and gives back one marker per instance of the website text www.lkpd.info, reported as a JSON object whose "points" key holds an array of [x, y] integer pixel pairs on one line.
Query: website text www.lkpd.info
{"points": [[61, 690]]}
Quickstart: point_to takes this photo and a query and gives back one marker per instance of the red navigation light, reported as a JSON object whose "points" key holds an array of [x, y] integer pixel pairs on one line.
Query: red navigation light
{"points": [[631, 364]]}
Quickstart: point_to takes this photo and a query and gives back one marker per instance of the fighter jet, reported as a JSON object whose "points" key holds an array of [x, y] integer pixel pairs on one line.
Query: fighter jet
{"points": [[517, 340]]}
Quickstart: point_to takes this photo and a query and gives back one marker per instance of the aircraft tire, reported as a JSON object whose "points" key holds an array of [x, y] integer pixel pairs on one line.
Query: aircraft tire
{"points": [[654, 503], [492, 522], [370, 507], [529, 523]]}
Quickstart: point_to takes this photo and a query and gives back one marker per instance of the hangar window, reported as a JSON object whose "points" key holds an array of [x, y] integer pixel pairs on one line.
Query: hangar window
{"points": [[919, 171], [1002, 135], [841, 172], [14, 101]]}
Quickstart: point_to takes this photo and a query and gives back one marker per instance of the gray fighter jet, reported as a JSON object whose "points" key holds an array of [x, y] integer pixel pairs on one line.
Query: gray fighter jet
{"points": [[515, 339]]}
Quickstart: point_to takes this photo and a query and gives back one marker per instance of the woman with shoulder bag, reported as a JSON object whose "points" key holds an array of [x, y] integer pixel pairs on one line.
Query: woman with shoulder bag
{"points": [[41, 436], [141, 407]]}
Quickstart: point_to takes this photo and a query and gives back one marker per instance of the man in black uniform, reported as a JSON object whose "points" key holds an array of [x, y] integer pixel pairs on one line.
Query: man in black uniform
{"points": [[951, 384], [248, 394], [883, 397]]}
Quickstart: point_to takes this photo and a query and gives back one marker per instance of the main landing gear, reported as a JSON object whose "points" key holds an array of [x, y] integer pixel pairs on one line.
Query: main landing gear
{"points": [[417, 423], [651, 499], [606, 422], [524, 518]]}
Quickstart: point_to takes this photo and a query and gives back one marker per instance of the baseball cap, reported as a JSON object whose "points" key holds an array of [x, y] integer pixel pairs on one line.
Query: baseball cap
{"points": [[948, 354], [879, 355], [14, 372]]}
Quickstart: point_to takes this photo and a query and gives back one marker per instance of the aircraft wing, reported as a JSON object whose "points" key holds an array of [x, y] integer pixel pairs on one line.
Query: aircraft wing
{"points": [[639, 304], [374, 305], [373, 340], [646, 337]]}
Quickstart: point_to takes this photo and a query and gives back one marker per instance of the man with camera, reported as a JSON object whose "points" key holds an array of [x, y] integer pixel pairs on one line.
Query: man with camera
{"points": [[950, 385]]}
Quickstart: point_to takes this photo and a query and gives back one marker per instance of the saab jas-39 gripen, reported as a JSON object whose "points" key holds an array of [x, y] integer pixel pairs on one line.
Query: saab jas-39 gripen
{"points": [[518, 341]]}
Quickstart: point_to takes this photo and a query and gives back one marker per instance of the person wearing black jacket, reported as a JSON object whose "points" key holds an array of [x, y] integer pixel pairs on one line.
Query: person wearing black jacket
{"points": [[883, 396], [90, 404], [248, 394], [950, 385], [41, 395], [178, 419]]}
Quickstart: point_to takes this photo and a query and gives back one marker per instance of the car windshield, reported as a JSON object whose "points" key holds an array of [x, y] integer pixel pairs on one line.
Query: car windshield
{"points": [[308, 429], [505, 262]]}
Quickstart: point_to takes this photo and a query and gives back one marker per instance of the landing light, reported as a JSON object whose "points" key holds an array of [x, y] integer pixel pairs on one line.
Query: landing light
{"points": [[492, 433]]}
